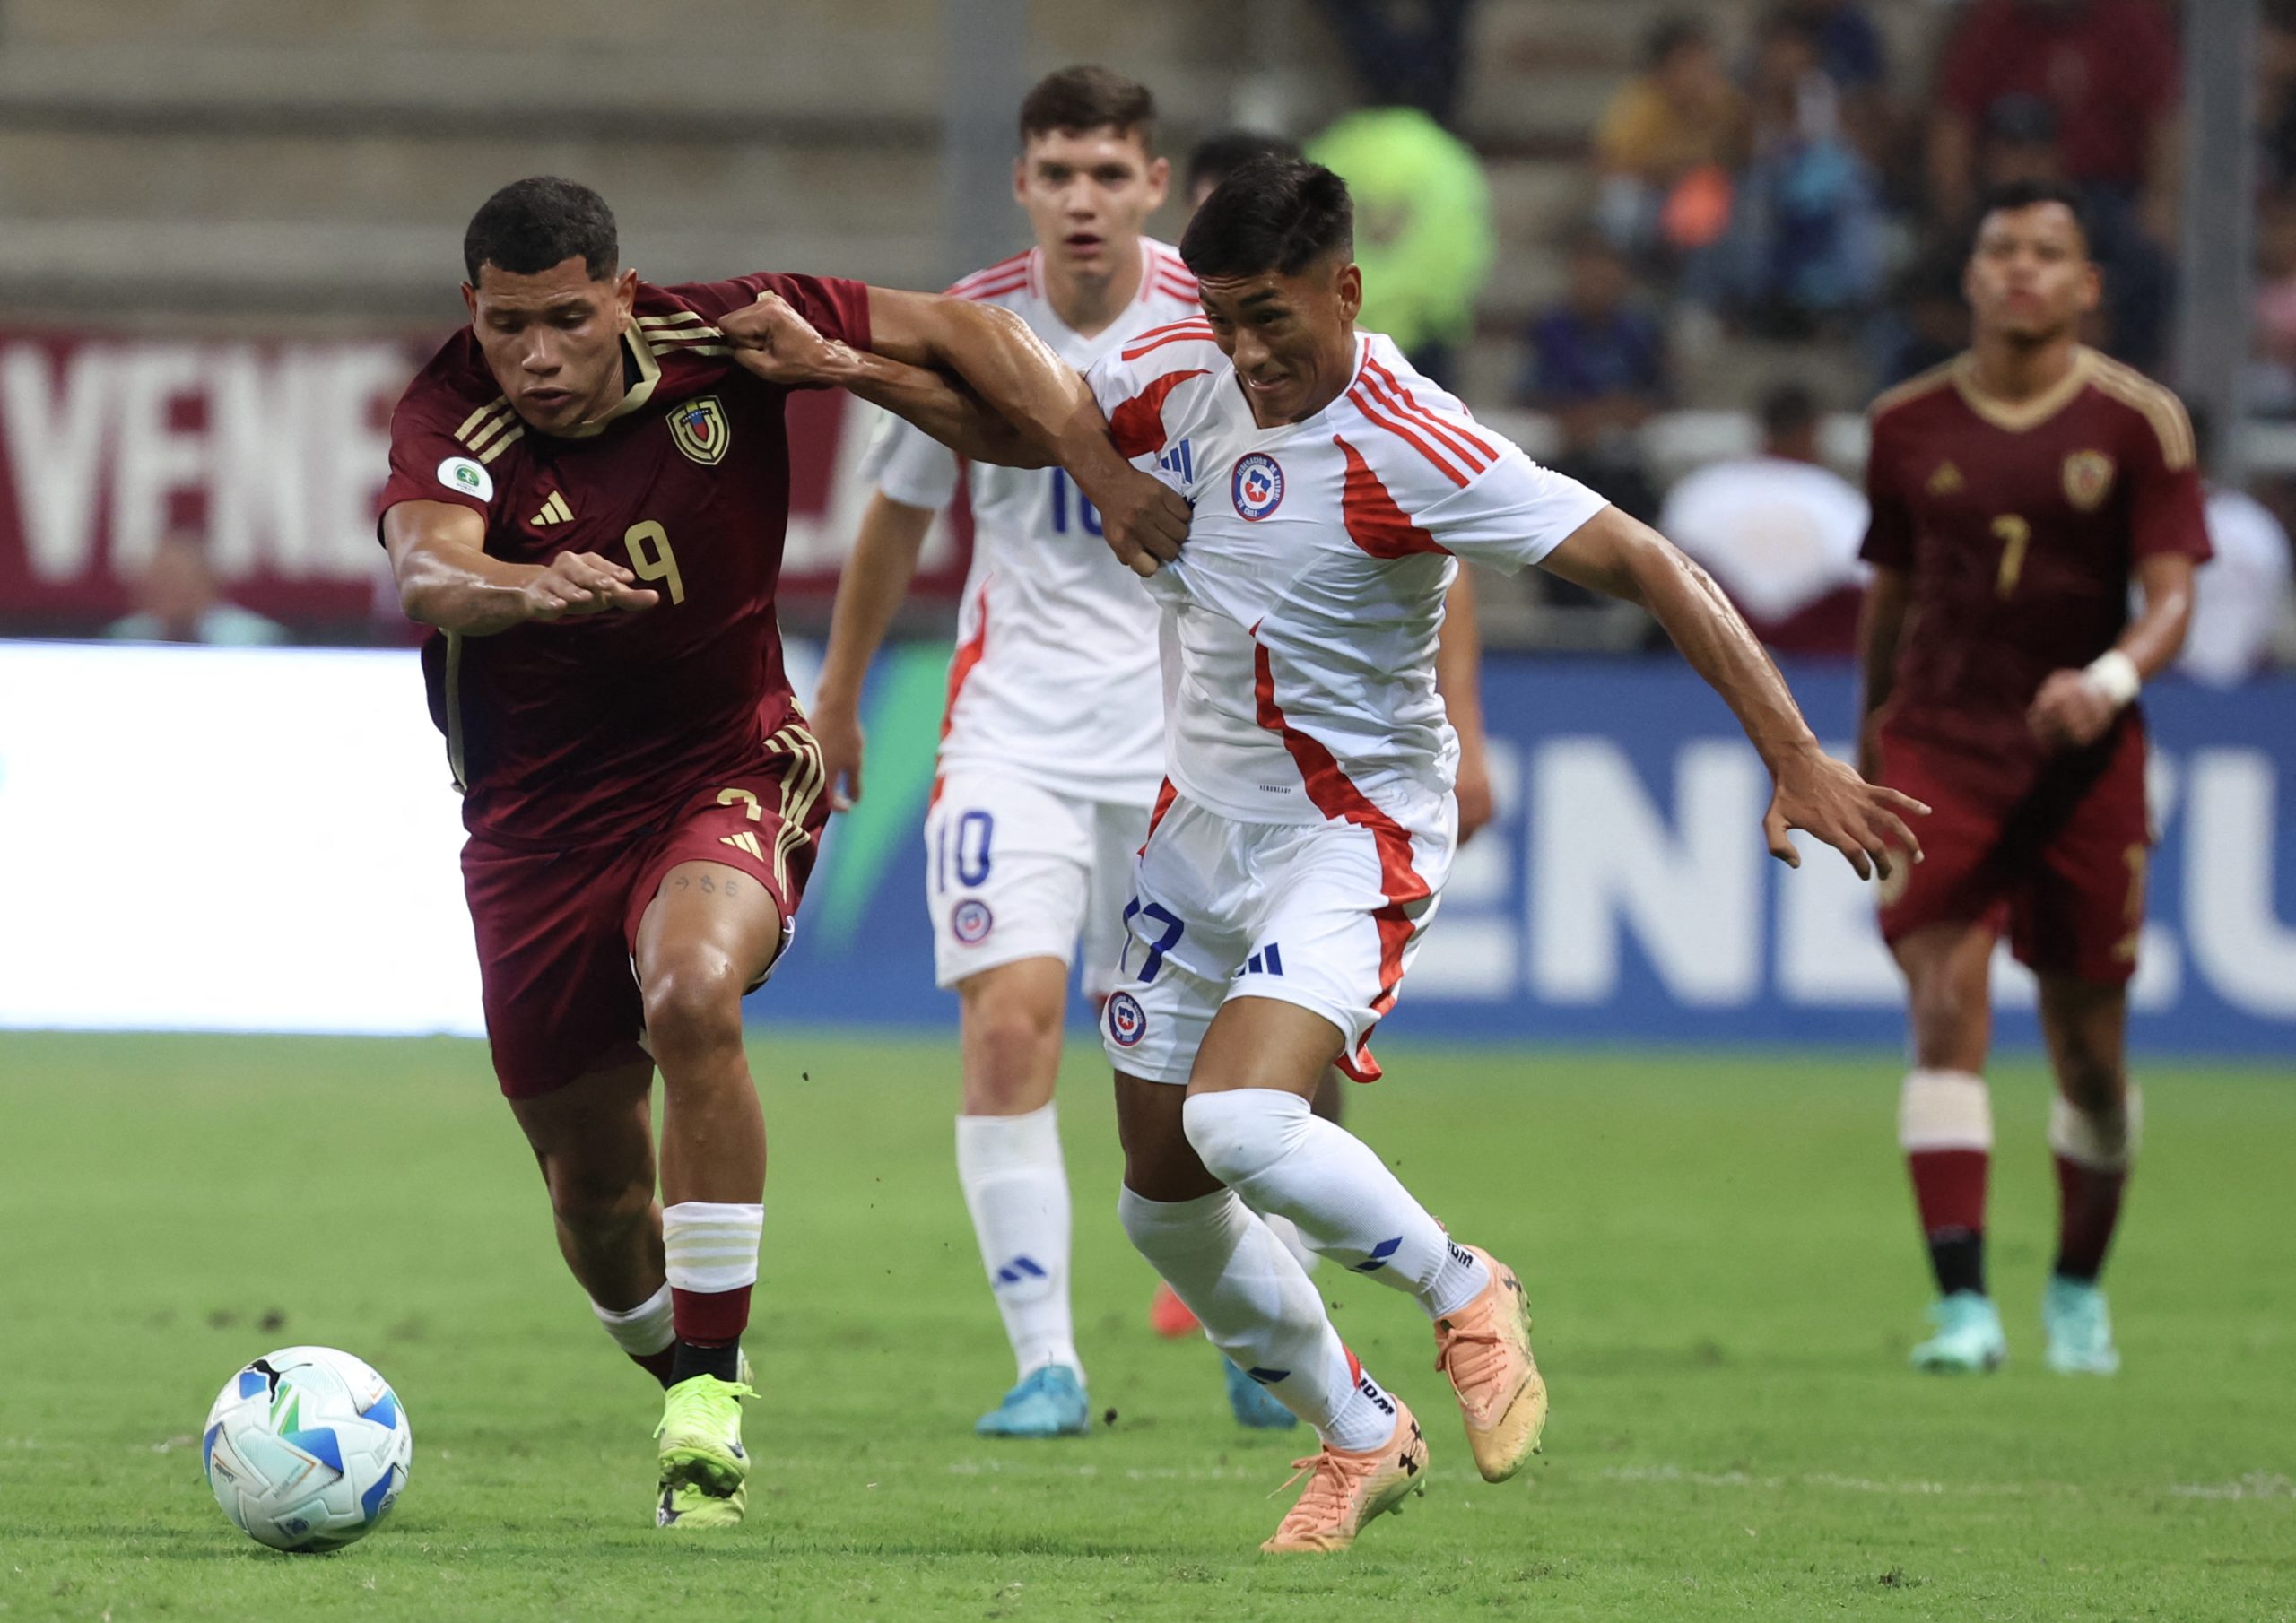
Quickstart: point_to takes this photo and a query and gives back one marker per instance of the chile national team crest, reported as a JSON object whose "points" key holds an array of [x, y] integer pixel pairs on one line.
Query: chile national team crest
{"points": [[970, 921], [1256, 485], [1127, 1021], [698, 428]]}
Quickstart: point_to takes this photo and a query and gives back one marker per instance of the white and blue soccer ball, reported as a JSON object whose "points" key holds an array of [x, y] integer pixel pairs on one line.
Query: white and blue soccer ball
{"points": [[306, 1449]]}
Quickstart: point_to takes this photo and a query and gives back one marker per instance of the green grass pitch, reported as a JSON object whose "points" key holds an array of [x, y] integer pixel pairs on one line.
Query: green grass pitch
{"points": [[1719, 1251]]}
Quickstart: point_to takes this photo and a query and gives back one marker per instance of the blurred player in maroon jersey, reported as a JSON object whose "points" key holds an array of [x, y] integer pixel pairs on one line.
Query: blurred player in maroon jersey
{"points": [[2016, 492], [588, 490]]}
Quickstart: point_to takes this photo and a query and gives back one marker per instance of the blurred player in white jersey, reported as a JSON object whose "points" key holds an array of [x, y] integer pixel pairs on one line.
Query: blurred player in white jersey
{"points": [[1299, 845], [1052, 746]]}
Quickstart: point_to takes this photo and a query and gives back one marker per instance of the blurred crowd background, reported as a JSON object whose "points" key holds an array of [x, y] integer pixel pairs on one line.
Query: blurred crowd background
{"points": [[1674, 249]]}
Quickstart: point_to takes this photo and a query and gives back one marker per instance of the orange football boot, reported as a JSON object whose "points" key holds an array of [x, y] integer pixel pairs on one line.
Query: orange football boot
{"points": [[1169, 1317], [1346, 1490], [1485, 1348]]}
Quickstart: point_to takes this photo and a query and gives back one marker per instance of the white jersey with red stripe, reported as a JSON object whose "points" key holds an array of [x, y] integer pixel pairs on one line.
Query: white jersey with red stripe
{"points": [[1055, 677], [1306, 603]]}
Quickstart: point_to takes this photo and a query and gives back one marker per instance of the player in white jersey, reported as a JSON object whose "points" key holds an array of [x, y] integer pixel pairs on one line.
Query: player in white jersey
{"points": [[1052, 745], [1300, 846]]}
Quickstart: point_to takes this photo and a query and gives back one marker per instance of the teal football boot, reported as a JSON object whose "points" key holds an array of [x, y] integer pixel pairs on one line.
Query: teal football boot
{"points": [[1969, 1338], [1048, 1403], [1253, 1404], [2080, 1329]]}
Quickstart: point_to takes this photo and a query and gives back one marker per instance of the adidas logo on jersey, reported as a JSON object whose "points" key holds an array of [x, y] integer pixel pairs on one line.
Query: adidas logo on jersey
{"points": [[744, 841], [553, 511], [1945, 481]]}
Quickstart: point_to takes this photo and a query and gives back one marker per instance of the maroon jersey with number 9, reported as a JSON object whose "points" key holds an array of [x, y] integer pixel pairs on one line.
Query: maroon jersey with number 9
{"points": [[2020, 526], [590, 729]]}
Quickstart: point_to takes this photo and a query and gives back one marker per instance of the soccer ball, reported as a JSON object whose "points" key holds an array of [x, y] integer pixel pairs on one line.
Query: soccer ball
{"points": [[307, 1448]]}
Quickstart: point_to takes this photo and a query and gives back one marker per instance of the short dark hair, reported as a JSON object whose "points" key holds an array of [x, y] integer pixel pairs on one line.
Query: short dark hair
{"points": [[532, 224], [2032, 194], [1670, 35], [1222, 153], [1787, 408], [1280, 214], [1089, 97]]}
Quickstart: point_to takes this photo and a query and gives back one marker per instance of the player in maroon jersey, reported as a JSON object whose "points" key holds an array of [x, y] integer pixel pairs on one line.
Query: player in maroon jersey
{"points": [[587, 495], [2016, 492]]}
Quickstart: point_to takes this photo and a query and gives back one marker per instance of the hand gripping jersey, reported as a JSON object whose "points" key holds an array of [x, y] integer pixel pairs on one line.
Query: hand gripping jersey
{"points": [[1305, 602], [593, 729], [1055, 680]]}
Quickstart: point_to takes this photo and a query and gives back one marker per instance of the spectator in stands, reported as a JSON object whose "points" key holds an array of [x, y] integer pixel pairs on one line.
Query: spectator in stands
{"points": [[2108, 69], [2276, 95], [1598, 365], [1804, 250], [1779, 532], [1849, 47], [1423, 232], [1408, 52], [1666, 147], [1224, 152], [2271, 380], [2243, 600], [177, 599], [1853, 57]]}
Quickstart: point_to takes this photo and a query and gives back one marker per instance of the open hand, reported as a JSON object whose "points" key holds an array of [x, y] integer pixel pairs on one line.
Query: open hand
{"points": [[1821, 795], [576, 584], [1143, 519], [2071, 711], [770, 339]]}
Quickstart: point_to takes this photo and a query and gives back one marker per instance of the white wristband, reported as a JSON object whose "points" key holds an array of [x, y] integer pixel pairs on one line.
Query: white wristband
{"points": [[2114, 674]]}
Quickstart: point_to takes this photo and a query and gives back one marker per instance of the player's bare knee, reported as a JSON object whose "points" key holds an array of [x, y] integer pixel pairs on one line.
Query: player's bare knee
{"points": [[1009, 1040], [693, 1011], [1950, 1024]]}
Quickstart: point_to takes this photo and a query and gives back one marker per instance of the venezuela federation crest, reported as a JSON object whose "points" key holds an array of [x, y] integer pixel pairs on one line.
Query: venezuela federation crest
{"points": [[698, 428], [2087, 479]]}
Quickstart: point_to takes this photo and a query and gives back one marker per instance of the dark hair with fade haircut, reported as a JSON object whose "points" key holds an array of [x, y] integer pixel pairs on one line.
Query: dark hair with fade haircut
{"points": [[1089, 97], [532, 224], [1280, 214], [1222, 153], [2032, 194]]}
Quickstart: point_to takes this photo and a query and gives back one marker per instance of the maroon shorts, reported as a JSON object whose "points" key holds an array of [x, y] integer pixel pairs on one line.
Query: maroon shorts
{"points": [[2057, 857], [558, 929]]}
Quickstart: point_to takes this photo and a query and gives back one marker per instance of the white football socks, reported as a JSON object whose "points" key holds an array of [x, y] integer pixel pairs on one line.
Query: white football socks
{"points": [[709, 1248], [1258, 1307], [1275, 1152], [1017, 1190], [1288, 1232], [642, 1331]]}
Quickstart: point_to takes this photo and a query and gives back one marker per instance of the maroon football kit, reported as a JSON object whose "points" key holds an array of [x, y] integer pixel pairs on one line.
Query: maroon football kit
{"points": [[2019, 526], [595, 754]]}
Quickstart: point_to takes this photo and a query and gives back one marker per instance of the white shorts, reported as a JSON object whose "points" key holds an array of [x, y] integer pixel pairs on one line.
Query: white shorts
{"points": [[1327, 916], [1013, 871]]}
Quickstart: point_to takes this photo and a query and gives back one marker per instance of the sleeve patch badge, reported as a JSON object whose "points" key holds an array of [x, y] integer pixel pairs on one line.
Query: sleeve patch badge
{"points": [[461, 473]]}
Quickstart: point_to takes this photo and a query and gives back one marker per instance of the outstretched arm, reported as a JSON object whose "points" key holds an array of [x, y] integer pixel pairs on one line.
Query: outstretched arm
{"points": [[1615, 555], [1018, 377], [975, 377], [773, 341], [447, 578]]}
